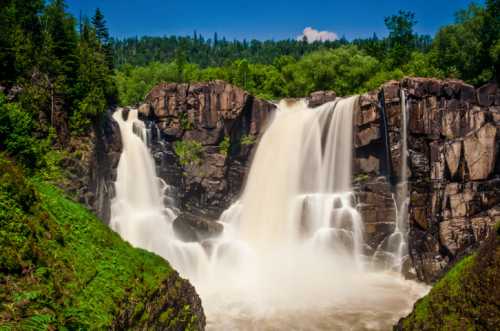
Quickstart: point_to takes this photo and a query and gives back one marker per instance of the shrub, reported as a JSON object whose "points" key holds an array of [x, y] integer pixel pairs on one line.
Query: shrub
{"points": [[224, 146], [188, 151]]}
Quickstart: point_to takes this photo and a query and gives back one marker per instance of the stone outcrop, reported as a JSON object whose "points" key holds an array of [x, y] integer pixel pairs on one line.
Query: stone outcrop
{"points": [[91, 166], [202, 142], [454, 179]]}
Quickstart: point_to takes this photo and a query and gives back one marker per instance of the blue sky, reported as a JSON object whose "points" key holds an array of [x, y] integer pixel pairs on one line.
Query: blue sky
{"points": [[263, 19]]}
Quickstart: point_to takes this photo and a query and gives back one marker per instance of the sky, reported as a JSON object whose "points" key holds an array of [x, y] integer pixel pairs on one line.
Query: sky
{"points": [[264, 19]]}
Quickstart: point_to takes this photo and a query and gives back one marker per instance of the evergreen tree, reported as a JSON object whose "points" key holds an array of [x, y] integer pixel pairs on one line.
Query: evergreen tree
{"points": [[401, 37], [102, 33]]}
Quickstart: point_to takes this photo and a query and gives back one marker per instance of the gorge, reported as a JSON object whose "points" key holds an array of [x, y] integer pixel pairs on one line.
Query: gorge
{"points": [[300, 237], [178, 182]]}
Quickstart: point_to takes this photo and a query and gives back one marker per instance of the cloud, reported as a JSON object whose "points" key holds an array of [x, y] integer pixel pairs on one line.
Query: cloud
{"points": [[315, 35]]}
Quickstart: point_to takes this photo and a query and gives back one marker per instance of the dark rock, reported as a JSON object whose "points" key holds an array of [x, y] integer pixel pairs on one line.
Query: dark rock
{"points": [[193, 228], [321, 97], [208, 114], [487, 95]]}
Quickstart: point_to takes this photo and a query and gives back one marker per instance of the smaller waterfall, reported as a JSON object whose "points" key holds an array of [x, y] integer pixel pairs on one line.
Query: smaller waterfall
{"points": [[138, 211], [393, 251]]}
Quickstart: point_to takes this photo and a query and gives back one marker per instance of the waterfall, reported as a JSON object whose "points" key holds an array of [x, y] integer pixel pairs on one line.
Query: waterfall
{"points": [[393, 251], [299, 186], [138, 211], [291, 252]]}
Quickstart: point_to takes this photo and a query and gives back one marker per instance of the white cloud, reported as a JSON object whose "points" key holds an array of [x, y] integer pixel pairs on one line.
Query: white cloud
{"points": [[315, 35]]}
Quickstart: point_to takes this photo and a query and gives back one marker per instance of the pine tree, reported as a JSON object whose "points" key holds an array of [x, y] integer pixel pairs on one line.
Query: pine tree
{"points": [[101, 30], [102, 33]]}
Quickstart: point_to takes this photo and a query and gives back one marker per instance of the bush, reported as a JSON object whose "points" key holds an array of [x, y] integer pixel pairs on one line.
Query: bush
{"points": [[224, 146], [188, 151]]}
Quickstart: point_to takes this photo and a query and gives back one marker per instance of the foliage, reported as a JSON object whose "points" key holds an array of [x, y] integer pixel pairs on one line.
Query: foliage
{"points": [[63, 71], [16, 138], [466, 298], [185, 123], [247, 140], [188, 151], [224, 146], [468, 49], [61, 268], [401, 37]]}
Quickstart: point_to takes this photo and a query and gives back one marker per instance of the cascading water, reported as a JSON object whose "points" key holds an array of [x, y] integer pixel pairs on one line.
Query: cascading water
{"points": [[138, 212], [291, 253], [394, 249]]}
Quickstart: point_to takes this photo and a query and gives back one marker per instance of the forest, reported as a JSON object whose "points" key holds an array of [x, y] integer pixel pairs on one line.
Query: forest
{"points": [[468, 50]]}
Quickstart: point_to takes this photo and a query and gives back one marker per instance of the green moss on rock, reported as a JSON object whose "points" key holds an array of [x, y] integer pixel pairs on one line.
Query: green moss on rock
{"points": [[62, 268], [466, 298]]}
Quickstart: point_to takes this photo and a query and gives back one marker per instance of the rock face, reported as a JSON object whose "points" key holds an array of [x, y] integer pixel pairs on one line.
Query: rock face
{"points": [[203, 139], [91, 166], [454, 178]]}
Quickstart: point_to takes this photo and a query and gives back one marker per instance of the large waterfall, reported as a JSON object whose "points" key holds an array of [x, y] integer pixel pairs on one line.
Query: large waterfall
{"points": [[291, 255]]}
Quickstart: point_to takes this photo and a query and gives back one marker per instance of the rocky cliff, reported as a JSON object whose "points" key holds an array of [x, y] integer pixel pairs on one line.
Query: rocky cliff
{"points": [[202, 138], [91, 164], [453, 142]]}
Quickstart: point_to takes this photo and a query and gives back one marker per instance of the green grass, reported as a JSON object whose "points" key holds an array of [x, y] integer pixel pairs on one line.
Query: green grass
{"points": [[62, 268]]}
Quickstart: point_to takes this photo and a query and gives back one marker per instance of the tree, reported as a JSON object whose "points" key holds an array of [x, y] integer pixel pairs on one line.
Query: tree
{"points": [[458, 49], [490, 37], [102, 33], [101, 30], [401, 37]]}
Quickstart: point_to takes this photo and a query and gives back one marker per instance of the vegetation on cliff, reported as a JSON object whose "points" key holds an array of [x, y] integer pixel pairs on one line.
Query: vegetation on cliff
{"points": [[61, 268], [466, 298], [469, 50]]}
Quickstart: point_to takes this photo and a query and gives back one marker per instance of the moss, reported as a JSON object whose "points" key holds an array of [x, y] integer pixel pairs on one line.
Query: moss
{"points": [[466, 298], [60, 267], [166, 315]]}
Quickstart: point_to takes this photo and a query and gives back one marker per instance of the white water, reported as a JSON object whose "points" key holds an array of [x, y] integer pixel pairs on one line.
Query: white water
{"points": [[291, 254]]}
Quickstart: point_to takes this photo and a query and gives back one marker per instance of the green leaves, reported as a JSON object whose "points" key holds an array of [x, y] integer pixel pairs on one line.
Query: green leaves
{"points": [[188, 151]]}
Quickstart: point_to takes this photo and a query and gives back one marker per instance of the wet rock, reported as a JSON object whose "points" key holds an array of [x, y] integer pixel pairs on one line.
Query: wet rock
{"points": [[194, 228]]}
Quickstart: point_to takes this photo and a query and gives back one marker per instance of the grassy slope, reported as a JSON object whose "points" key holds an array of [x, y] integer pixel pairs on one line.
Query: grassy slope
{"points": [[61, 268], [466, 298]]}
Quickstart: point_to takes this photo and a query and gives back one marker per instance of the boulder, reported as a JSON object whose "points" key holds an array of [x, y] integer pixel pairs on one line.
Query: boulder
{"points": [[191, 228]]}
